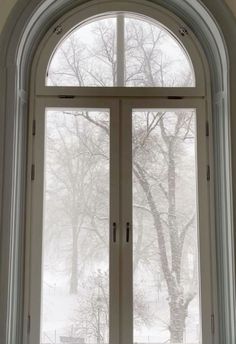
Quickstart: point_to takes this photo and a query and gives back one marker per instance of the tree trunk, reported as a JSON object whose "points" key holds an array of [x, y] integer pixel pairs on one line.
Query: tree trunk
{"points": [[170, 265], [177, 319], [74, 265]]}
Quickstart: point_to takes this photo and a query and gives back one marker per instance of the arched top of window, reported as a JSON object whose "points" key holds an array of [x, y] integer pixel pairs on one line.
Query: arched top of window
{"points": [[120, 49]]}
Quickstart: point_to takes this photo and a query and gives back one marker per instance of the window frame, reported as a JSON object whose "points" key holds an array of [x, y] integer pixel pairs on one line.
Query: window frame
{"points": [[64, 94]]}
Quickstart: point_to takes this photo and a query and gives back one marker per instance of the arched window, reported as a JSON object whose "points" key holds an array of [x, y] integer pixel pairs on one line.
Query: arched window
{"points": [[120, 218], [120, 50]]}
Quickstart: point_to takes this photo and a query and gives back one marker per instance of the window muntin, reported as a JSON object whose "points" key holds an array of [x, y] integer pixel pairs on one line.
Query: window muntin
{"points": [[132, 52]]}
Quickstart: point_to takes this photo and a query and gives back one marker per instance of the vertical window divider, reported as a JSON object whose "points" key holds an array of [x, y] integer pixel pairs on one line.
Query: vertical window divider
{"points": [[126, 209], [115, 235], [120, 48]]}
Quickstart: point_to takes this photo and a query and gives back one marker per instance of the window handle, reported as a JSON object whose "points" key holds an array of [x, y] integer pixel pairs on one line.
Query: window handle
{"points": [[114, 231], [127, 231]]}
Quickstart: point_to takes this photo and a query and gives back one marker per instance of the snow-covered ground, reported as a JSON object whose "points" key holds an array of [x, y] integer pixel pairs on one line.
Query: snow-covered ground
{"points": [[59, 309]]}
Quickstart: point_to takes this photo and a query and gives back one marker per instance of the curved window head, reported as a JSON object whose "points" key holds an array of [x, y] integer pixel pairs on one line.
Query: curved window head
{"points": [[120, 50]]}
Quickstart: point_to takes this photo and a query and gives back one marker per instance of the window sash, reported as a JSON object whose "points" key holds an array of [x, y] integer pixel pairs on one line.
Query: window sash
{"points": [[121, 283], [203, 209]]}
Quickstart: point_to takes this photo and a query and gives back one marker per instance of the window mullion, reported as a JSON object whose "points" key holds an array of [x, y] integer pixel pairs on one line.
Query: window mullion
{"points": [[126, 321], [120, 50], [115, 224]]}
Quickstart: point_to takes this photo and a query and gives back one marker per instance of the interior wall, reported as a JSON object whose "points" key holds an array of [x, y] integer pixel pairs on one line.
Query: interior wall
{"points": [[5, 9], [232, 5]]}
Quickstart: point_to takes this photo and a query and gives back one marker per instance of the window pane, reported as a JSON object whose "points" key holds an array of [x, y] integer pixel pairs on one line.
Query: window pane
{"points": [[75, 278], [86, 57], [154, 57], [165, 251]]}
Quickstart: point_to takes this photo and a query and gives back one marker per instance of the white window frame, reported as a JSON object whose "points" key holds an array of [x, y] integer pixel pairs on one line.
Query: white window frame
{"points": [[88, 13], [162, 97]]}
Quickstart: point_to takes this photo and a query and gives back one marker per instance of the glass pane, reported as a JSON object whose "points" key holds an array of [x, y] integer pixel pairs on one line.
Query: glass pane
{"points": [[86, 57], [165, 251], [75, 278], [154, 57]]}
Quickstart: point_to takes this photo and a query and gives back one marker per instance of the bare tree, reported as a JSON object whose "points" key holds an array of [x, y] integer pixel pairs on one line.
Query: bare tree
{"points": [[171, 233], [73, 163]]}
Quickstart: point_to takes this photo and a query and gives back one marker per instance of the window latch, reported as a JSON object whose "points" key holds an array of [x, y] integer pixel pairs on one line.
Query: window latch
{"points": [[114, 231], [128, 227]]}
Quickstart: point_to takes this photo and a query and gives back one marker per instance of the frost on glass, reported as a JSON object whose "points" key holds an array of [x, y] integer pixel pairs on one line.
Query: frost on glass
{"points": [[150, 56], [75, 280], [165, 234], [154, 58], [86, 57]]}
